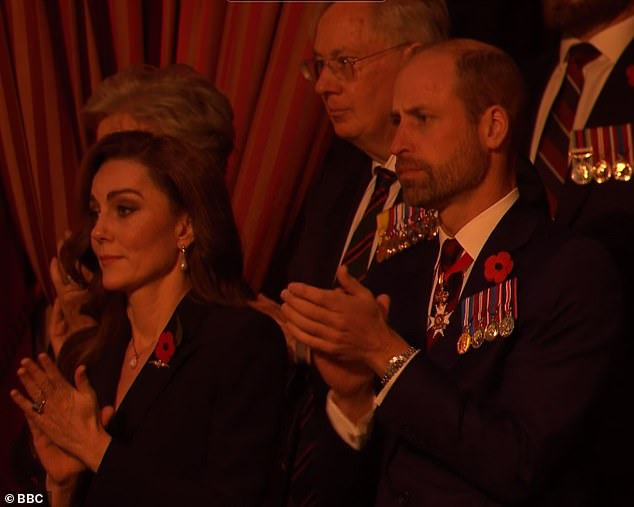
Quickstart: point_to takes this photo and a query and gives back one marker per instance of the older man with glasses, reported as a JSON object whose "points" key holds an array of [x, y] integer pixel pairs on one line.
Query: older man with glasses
{"points": [[358, 51]]}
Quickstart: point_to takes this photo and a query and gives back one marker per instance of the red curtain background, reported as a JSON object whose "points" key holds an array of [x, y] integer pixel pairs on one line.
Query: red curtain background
{"points": [[53, 53]]}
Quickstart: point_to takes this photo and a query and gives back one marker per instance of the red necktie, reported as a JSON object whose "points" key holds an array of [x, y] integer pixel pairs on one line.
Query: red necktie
{"points": [[552, 154], [451, 267]]}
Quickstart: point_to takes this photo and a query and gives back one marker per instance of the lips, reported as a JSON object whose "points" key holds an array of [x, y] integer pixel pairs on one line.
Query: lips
{"points": [[336, 114], [405, 167], [105, 260]]}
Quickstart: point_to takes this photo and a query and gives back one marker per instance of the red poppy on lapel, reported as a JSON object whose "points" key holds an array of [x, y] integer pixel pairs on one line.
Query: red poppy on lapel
{"points": [[629, 72], [165, 347], [497, 267]]}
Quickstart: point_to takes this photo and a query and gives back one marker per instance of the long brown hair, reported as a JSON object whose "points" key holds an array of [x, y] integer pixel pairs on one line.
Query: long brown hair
{"points": [[193, 182]]}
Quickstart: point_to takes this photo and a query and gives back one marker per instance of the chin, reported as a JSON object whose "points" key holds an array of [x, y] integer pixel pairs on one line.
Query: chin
{"points": [[113, 283], [345, 130]]}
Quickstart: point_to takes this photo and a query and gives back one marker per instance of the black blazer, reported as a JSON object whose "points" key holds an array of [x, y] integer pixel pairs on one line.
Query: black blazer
{"points": [[313, 250], [503, 424], [605, 213], [203, 430]]}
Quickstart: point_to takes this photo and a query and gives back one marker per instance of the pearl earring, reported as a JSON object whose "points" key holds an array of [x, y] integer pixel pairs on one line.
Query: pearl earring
{"points": [[183, 259]]}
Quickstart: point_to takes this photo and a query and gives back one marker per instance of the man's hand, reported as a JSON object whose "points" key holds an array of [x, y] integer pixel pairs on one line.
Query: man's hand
{"points": [[348, 324]]}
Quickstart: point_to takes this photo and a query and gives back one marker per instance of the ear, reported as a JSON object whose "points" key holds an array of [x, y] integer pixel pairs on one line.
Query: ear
{"points": [[410, 51], [184, 231], [494, 127]]}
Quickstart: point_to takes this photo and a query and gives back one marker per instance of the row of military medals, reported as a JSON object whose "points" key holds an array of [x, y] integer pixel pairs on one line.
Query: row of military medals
{"points": [[402, 226], [609, 144], [488, 315]]}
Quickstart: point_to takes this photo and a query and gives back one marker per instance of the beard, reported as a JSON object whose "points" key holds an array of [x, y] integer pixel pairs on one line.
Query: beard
{"points": [[577, 17], [436, 186]]}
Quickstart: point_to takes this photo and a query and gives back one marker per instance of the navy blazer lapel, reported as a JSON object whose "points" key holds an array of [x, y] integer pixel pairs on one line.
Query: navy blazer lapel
{"points": [[511, 233], [572, 199], [407, 279], [152, 379], [615, 103]]}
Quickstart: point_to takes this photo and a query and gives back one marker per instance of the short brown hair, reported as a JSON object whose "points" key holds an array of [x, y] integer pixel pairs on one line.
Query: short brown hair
{"points": [[487, 76]]}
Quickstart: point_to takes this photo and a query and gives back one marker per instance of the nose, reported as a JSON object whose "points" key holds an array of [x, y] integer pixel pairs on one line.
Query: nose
{"points": [[327, 83], [100, 230], [400, 143]]}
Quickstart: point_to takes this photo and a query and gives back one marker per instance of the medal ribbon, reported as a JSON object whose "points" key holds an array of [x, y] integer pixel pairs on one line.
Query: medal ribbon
{"points": [[465, 315]]}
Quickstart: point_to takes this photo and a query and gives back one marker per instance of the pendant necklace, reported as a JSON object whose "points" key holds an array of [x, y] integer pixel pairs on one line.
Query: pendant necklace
{"points": [[134, 360]]}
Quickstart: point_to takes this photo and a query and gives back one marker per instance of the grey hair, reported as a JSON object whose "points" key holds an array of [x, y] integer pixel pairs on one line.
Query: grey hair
{"points": [[424, 21], [400, 21], [173, 100]]}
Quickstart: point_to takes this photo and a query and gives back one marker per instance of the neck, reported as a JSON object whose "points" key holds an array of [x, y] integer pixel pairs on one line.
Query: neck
{"points": [[498, 182], [586, 36], [151, 307]]}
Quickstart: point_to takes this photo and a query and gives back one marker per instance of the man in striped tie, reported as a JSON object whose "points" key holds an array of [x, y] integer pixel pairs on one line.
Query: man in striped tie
{"points": [[583, 147]]}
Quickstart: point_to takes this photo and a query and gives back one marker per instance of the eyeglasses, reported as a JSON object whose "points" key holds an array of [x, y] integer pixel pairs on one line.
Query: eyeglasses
{"points": [[342, 67]]}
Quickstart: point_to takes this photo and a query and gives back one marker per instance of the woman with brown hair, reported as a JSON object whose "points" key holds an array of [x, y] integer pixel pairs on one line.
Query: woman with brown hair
{"points": [[193, 375]]}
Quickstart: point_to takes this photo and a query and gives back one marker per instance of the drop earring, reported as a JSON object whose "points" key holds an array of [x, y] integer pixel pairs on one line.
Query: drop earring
{"points": [[183, 259]]}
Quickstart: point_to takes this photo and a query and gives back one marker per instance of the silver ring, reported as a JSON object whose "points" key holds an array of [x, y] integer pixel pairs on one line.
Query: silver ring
{"points": [[38, 407]]}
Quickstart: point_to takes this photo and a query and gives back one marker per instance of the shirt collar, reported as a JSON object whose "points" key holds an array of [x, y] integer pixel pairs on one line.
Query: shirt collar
{"points": [[611, 42], [389, 164], [474, 234]]}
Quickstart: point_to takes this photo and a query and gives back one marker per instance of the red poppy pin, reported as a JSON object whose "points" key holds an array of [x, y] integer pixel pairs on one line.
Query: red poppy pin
{"points": [[629, 72], [164, 350], [497, 267]]}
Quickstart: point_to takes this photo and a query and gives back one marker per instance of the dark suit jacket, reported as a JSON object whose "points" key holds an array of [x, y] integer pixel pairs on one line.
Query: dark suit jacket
{"points": [[501, 424], [605, 213], [203, 430], [313, 250]]}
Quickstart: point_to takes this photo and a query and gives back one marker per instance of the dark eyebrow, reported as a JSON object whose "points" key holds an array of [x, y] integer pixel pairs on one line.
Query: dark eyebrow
{"points": [[115, 193]]}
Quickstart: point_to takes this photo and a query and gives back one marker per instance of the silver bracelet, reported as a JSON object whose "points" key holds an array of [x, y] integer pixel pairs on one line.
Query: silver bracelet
{"points": [[396, 363]]}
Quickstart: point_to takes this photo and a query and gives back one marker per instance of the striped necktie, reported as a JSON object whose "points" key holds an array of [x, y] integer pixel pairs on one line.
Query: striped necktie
{"points": [[357, 255], [552, 154]]}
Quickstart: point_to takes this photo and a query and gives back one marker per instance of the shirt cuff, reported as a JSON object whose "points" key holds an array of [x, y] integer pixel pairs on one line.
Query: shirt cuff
{"points": [[355, 435], [386, 388]]}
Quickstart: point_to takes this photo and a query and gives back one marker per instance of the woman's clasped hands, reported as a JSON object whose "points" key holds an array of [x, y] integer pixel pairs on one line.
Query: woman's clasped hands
{"points": [[67, 425]]}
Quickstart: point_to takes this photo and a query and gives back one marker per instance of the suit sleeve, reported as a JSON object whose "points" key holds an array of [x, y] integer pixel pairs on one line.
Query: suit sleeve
{"points": [[248, 368], [506, 434]]}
